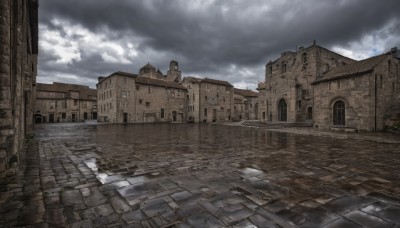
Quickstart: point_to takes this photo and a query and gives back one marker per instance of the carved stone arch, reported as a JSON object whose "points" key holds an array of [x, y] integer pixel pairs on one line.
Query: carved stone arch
{"points": [[282, 110], [338, 108]]}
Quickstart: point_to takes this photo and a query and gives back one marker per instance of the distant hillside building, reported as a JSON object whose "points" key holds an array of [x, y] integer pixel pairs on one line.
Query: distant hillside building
{"points": [[144, 98], [209, 100], [246, 104], [61, 102]]}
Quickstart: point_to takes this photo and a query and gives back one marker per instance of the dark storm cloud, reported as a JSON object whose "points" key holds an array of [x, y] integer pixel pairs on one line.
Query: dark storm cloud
{"points": [[210, 37]]}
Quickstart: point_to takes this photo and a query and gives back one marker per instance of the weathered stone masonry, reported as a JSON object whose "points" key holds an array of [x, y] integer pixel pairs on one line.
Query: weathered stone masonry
{"points": [[18, 61]]}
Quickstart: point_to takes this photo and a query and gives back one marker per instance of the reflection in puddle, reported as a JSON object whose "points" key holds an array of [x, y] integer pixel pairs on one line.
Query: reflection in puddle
{"points": [[251, 172]]}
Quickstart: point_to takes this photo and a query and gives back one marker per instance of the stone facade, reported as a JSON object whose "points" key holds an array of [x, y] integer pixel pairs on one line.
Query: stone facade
{"points": [[145, 98], [18, 66], [363, 95], [288, 82], [60, 102], [209, 100], [262, 101], [246, 104]]}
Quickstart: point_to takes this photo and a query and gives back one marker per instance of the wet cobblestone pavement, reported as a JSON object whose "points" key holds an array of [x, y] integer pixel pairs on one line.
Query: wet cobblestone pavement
{"points": [[82, 175]]}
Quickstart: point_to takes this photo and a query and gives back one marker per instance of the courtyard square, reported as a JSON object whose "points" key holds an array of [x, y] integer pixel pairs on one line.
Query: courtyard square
{"points": [[201, 175]]}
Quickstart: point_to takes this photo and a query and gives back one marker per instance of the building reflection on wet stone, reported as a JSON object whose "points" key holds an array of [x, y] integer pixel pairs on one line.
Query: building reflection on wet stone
{"points": [[205, 175]]}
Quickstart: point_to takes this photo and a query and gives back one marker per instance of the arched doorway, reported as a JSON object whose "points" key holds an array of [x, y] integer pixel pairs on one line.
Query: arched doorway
{"points": [[282, 110], [339, 113], [38, 118]]}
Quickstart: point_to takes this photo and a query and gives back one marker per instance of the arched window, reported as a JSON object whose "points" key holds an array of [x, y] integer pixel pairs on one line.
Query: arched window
{"points": [[304, 57], [284, 67], [282, 110], [339, 114]]}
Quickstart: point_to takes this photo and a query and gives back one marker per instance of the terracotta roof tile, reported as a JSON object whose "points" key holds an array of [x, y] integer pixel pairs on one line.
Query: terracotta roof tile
{"points": [[356, 68], [245, 92], [158, 82], [218, 82]]}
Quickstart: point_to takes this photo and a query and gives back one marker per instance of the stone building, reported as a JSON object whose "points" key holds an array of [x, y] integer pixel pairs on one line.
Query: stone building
{"points": [[147, 97], [209, 100], [60, 102], [363, 95], [246, 104], [262, 101], [18, 67], [289, 93]]}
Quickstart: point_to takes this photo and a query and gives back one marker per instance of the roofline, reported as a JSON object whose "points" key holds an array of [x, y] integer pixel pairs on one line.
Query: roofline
{"points": [[309, 47], [142, 83], [341, 77], [117, 73]]}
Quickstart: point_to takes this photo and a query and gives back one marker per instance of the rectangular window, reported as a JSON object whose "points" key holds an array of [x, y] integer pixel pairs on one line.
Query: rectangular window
{"points": [[205, 98], [123, 94], [137, 87], [75, 102], [64, 104], [205, 112], [298, 106], [149, 89], [162, 113], [147, 104], [51, 104], [124, 80], [193, 97], [140, 101], [63, 115]]}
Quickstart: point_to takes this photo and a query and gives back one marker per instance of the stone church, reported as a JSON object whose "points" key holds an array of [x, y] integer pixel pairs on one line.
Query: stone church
{"points": [[317, 86]]}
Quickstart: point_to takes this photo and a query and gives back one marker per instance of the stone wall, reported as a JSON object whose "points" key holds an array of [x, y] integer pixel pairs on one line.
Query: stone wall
{"points": [[216, 102], [262, 102], [18, 58], [151, 99], [355, 92], [193, 105]]}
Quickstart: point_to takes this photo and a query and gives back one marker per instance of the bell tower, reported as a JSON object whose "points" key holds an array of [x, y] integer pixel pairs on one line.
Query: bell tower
{"points": [[173, 73]]}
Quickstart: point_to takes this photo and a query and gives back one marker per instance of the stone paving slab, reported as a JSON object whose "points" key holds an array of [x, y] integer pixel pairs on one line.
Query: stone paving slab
{"points": [[161, 175]]}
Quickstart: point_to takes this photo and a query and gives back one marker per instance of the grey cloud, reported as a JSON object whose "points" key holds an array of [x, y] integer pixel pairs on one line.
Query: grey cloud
{"points": [[209, 38]]}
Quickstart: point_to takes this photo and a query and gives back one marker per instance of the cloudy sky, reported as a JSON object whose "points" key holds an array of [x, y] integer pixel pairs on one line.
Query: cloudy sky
{"points": [[223, 39]]}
